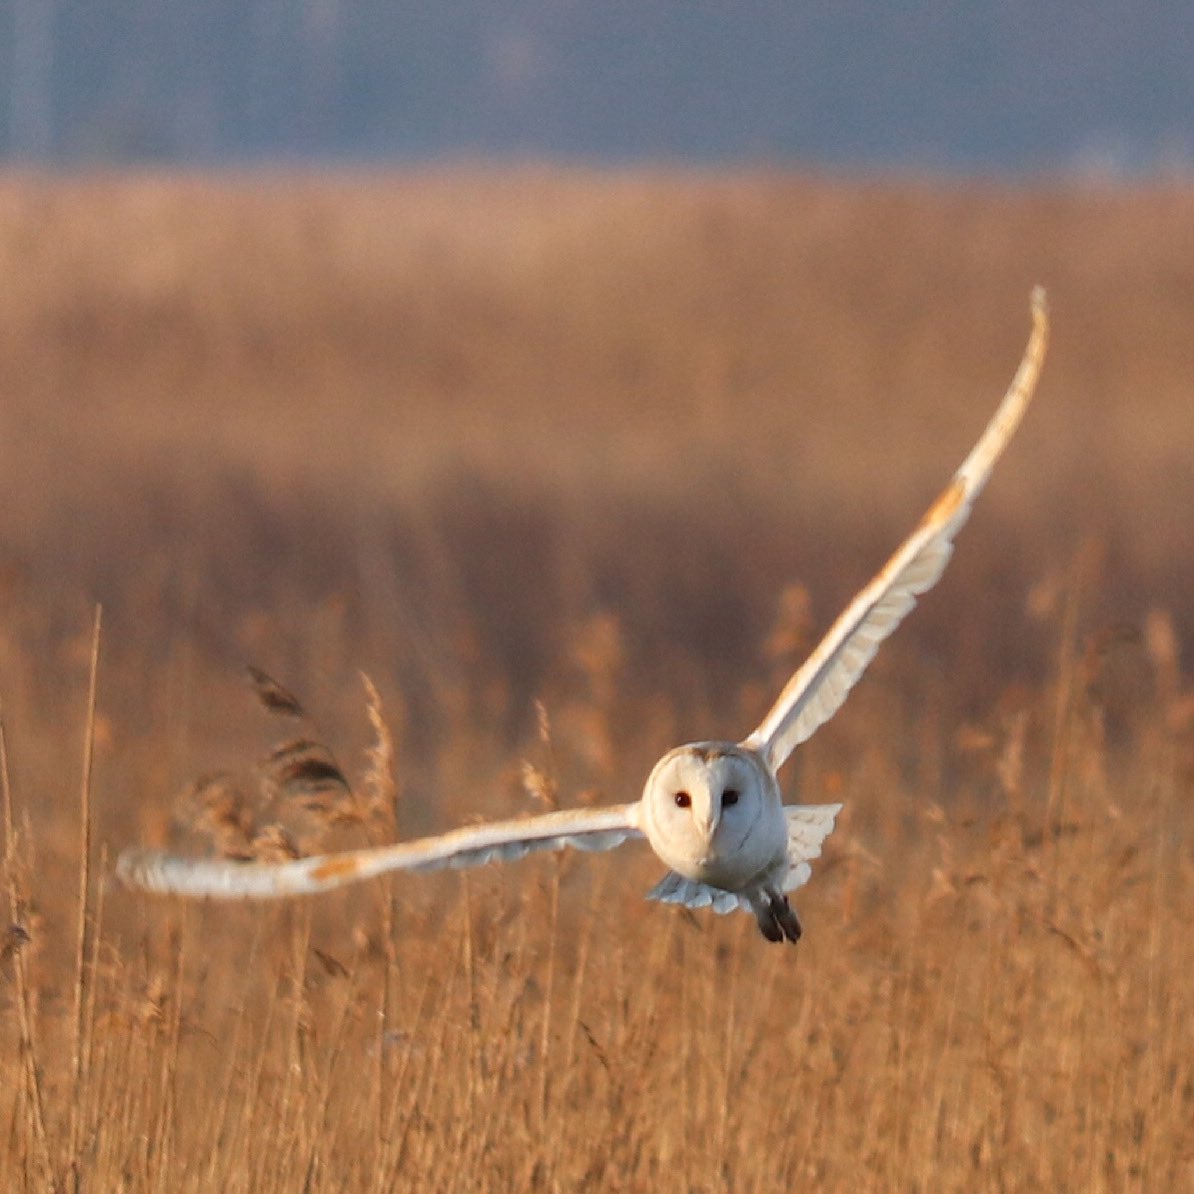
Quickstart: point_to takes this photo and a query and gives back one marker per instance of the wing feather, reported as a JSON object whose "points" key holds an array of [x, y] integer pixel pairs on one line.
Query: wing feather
{"points": [[808, 827], [473, 845], [676, 889], [816, 692]]}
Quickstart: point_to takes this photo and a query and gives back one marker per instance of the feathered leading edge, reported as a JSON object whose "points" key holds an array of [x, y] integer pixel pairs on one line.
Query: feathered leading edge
{"points": [[473, 845], [815, 693]]}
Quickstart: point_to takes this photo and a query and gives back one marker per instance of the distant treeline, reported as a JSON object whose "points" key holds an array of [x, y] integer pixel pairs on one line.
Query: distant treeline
{"points": [[1089, 85]]}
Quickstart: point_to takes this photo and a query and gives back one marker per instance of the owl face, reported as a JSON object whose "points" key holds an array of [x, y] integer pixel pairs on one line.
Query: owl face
{"points": [[713, 814]]}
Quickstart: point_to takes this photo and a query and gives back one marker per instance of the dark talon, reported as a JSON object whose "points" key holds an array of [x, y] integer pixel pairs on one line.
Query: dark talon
{"points": [[786, 918], [769, 926], [777, 920]]}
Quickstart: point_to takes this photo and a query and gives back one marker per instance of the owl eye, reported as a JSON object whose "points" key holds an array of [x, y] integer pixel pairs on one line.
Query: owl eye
{"points": [[682, 799], [729, 797]]}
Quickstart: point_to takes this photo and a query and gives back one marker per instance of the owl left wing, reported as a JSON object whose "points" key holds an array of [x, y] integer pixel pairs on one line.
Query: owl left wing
{"points": [[472, 845], [816, 692]]}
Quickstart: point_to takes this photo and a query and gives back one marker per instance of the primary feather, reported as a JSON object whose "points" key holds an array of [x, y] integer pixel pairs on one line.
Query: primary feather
{"points": [[474, 845], [817, 690]]}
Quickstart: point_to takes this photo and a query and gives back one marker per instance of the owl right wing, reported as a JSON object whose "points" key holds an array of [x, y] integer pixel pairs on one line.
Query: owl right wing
{"points": [[472, 845], [808, 827], [816, 692]]}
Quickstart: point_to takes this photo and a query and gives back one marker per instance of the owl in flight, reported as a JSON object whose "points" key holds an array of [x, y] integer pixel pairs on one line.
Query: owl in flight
{"points": [[711, 811]]}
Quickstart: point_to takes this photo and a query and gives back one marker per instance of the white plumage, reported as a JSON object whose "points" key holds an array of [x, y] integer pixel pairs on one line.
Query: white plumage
{"points": [[711, 811]]}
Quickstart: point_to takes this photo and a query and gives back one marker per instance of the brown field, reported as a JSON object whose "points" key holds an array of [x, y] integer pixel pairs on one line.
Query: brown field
{"points": [[618, 444]]}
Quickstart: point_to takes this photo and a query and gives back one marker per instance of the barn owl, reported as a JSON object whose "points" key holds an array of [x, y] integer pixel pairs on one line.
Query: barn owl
{"points": [[711, 811]]}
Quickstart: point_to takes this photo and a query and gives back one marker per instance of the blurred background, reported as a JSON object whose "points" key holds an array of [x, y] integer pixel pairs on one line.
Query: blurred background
{"points": [[438, 340], [566, 366], [1086, 86]]}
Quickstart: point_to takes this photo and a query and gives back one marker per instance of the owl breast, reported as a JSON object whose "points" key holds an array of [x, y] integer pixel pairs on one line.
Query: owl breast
{"points": [[713, 813]]}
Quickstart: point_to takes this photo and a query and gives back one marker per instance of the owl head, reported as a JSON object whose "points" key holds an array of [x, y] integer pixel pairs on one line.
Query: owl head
{"points": [[712, 813]]}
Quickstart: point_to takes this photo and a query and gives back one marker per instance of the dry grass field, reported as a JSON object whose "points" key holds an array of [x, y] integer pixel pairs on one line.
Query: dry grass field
{"points": [[575, 467]]}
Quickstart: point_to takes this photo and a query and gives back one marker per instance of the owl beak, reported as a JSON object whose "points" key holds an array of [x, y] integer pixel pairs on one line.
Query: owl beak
{"points": [[711, 823]]}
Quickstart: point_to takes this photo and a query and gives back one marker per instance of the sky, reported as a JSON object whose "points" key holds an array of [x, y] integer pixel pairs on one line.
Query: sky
{"points": [[1004, 87]]}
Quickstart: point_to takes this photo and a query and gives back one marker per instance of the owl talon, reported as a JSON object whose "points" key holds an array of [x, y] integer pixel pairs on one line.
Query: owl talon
{"points": [[777, 919], [786, 918], [769, 926]]}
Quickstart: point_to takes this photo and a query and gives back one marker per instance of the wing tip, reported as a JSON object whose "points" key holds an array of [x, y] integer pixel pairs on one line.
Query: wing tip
{"points": [[1038, 301], [134, 865], [1038, 305]]}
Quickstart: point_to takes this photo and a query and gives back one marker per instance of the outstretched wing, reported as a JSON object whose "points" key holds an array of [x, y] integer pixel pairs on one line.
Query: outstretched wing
{"points": [[500, 841], [815, 693], [808, 827]]}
